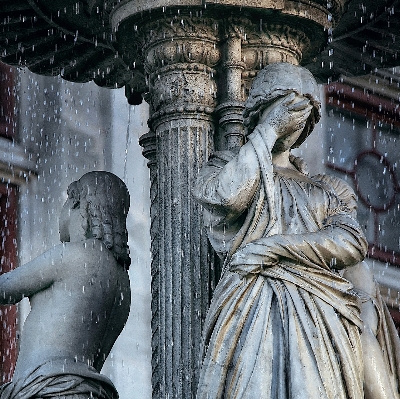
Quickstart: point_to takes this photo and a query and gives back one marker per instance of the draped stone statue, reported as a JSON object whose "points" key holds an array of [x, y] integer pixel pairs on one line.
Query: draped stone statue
{"points": [[79, 293], [284, 322]]}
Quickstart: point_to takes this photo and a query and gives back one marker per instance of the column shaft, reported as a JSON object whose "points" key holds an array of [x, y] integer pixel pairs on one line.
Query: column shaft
{"points": [[179, 60], [183, 254], [231, 103]]}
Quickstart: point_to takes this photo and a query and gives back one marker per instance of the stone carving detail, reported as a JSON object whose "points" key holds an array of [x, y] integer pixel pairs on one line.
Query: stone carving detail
{"points": [[284, 322], [180, 56], [181, 88], [181, 258], [106, 45], [181, 51], [272, 43], [184, 26], [247, 48], [148, 142], [230, 107], [195, 72], [235, 27], [263, 42], [183, 40], [79, 293], [278, 43], [83, 34]]}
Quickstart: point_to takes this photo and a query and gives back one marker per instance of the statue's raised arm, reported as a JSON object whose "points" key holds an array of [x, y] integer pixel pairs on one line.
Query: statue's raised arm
{"points": [[283, 323], [80, 296]]}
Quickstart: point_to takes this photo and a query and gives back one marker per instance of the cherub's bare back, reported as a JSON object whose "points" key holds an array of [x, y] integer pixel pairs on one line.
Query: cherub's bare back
{"points": [[81, 313]]}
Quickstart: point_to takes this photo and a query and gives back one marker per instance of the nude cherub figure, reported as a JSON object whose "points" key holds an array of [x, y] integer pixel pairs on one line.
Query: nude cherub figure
{"points": [[79, 293]]}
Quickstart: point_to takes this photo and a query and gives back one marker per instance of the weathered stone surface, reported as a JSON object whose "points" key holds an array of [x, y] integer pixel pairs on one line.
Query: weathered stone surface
{"points": [[198, 71], [284, 322], [194, 62], [182, 96], [79, 293]]}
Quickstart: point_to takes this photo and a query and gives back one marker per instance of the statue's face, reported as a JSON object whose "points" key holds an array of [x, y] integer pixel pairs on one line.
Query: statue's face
{"points": [[71, 222], [285, 117]]}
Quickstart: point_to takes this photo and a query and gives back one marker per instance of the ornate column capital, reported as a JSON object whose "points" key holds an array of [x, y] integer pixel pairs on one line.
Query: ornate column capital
{"points": [[273, 43], [180, 39], [179, 56]]}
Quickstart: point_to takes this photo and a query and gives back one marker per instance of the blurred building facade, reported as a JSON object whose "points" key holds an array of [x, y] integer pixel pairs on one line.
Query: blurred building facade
{"points": [[362, 146]]}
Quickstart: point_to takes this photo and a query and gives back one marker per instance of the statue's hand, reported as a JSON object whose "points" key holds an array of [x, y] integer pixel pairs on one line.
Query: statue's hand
{"points": [[253, 259], [287, 115], [245, 270]]}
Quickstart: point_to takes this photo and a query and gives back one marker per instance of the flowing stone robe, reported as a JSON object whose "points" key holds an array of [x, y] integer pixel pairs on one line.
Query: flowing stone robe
{"points": [[60, 378], [290, 330], [388, 339]]}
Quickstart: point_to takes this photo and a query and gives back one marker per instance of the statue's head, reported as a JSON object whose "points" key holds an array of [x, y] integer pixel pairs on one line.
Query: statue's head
{"points": [[276, 81], [97, 207]]}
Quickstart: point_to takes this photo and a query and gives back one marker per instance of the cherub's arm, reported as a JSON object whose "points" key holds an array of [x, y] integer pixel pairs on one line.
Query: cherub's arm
{"points": [[34, 276]]}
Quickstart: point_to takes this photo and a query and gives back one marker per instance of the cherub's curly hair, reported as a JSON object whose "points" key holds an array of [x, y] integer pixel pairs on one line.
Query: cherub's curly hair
{"points": [[276, 81], [103, 199]]}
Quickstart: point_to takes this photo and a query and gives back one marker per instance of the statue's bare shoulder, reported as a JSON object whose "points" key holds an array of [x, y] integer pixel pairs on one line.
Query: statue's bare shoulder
{"points": [[76, 260], [79, 290]]}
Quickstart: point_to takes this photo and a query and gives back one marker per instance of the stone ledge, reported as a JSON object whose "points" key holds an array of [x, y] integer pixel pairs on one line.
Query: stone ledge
{"points": [[131, 7]]}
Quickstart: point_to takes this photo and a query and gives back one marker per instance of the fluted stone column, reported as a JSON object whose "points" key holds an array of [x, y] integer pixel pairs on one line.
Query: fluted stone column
{"points": [[179, 59]]}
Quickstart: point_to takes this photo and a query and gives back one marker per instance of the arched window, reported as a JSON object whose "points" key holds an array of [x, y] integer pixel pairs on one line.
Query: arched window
{"points": [[363, 144]]}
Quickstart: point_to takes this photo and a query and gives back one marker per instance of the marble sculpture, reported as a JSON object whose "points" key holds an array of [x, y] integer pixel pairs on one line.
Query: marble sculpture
{"points": [[79, 293], [296, 313]]}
